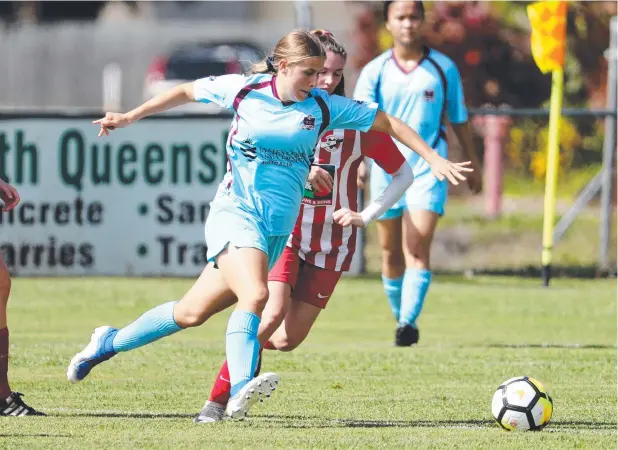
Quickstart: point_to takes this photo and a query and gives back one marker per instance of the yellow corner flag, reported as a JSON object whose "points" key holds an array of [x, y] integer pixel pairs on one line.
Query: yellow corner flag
{"points": [[548, 38], [548, 42]]}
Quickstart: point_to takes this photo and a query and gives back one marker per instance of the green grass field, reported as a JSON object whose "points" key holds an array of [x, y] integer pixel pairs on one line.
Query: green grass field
{"points": [[345, 387]]}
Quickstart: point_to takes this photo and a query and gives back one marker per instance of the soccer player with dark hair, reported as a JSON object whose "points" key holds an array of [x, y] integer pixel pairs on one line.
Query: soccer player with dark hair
{"points": [[422, 87]]}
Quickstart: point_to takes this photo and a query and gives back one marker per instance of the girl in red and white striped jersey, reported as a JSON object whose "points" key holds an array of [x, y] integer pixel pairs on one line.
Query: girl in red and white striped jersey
{"points": [[322, 244]]}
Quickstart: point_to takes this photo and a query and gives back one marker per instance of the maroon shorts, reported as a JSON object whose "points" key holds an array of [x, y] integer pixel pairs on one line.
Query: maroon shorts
{"points": [[310, 284]]}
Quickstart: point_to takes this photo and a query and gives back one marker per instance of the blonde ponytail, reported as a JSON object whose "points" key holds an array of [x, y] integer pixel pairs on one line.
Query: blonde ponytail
{"points": [[294, 47]]}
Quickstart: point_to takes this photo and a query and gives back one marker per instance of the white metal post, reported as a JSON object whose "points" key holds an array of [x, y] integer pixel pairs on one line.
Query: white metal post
{"points": [[609, 148], [112, 87], [303, 14]]}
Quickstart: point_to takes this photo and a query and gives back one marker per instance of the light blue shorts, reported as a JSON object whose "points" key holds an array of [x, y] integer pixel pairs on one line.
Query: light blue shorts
{"points": [[426, 193], [228, 225]]}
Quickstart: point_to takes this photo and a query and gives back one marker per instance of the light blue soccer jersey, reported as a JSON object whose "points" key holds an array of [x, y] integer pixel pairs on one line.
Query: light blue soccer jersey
{"points": [[271, 144], [421, 98]]}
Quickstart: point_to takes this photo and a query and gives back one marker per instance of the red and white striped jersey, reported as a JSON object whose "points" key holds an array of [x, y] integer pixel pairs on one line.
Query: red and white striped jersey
{"points": [[316, 238]]}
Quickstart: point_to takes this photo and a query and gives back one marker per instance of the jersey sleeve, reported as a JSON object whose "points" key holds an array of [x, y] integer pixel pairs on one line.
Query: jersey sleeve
{"points": [[365, 88], [455, 101], [350, 114], [381, 148], [220, 90]]}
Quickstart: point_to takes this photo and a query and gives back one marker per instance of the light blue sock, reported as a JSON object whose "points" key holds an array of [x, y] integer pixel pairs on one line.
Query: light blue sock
{"points": [[241, 348], [415, 285], [150, 326], [392, 287]]}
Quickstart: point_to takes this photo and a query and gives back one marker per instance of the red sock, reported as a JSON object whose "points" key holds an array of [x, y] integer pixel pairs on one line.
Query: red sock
{"points": [[5, 390], [220, 392], [221, 388]]}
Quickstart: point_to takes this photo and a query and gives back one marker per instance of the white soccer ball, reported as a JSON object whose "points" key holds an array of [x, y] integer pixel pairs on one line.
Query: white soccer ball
{"points": [[522, 404]]}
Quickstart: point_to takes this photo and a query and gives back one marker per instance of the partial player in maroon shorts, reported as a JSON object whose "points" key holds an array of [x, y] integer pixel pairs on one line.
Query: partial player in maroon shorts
{"points": [[310, 284], [321, 246], [11, 403]]}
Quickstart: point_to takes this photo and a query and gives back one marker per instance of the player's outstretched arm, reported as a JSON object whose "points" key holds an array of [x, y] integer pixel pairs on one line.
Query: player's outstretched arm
{"points": [[176, 96], [440, 167], [401, 180]]}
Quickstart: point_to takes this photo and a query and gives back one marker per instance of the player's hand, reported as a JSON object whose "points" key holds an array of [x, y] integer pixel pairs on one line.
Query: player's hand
{"points": [[361, 175], [320, 179], [8, 195], [345, 218], [475, 180], [443, 168], [111, 121]]}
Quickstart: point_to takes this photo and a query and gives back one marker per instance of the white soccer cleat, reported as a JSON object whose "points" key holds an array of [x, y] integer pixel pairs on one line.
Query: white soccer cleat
{"points": [[211, 412], [257, 389], [99, 349]]}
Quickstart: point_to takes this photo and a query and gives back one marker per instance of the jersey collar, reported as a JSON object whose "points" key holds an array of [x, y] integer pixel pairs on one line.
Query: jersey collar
{"points": [[426, 51], [275, 94]]}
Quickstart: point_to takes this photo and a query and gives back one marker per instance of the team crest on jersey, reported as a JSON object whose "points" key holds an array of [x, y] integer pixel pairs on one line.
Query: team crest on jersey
{"points": [[248, 149], [331, 143], [308, 123], [361, 102], [429, 95]]}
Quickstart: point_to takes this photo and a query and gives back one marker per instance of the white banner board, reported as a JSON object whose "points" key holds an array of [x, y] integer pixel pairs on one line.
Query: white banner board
{"points": [[132, 203]]}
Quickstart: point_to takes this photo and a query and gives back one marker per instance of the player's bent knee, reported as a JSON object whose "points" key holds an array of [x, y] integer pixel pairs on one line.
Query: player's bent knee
{"points": [[285, 343], [285, 348], [418, 253], [255, 300], [393, 258], [188, 317], [418, 260], [288, 346]]}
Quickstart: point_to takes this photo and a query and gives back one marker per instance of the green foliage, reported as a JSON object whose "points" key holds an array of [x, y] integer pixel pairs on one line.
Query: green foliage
{"points": [[569, 185], [581, 145]]}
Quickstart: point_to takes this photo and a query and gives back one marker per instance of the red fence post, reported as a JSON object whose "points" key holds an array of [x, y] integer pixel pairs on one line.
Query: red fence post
{"points": [[494, 130], [493, 167]]}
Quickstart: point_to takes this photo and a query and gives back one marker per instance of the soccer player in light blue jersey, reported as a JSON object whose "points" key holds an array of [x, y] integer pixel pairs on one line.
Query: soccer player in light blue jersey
{"points": [[422, 87], [279, 118]]}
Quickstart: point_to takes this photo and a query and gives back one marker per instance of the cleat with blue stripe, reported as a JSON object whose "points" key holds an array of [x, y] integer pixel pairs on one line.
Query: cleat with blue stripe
{"points": [[99, 349]]}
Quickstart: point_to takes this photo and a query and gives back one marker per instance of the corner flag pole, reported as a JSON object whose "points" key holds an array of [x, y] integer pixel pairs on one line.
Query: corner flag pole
{"points": [[548, 44], [551, 177]]}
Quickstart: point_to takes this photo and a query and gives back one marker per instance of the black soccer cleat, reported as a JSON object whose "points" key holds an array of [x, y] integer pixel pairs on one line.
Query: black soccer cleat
{"points": [[406, 335], [13, 405]]}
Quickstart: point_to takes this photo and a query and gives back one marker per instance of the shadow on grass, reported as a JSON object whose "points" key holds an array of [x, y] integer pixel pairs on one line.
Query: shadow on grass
{"points": [[565, 346], [35, 435], [315, 422], [122, 415], [299, 421]]}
